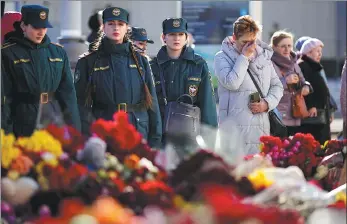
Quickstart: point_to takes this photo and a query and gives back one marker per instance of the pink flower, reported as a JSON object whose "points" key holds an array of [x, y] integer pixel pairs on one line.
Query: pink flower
{"points": [[295, 149], [286, 143], [275, 148]]}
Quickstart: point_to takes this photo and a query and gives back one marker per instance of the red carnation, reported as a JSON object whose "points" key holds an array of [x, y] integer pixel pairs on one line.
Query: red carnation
{"points": [[301, 158], [71, 139], [119, 183], [101, 128], [293, 160], [154, 187], [338, 205]]}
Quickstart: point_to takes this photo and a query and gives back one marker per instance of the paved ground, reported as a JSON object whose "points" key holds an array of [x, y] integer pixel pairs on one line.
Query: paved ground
{"points": [[336, 127], [334, 87]]}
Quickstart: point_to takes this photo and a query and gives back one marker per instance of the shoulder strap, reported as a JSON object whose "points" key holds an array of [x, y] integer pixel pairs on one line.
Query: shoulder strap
{"points": [[162, 82], [92, 61], [255, 83], [57, 44]]}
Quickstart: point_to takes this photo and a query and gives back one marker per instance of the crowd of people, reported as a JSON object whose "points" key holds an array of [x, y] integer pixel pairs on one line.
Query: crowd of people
{"points": [[116, 73]]}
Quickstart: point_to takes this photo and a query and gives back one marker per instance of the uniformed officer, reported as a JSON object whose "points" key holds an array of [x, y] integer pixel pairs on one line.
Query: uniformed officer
{"points": [[184, 71], [35, 72], [140, 39], [114, 77]]}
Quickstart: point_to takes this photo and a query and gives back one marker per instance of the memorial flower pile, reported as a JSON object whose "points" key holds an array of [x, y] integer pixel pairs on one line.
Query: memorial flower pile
{"points": [[59, 176]]}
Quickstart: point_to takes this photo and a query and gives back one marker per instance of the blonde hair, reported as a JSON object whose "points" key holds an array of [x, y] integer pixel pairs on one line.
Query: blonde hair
{"points": [[278, 36], [246, 24]]}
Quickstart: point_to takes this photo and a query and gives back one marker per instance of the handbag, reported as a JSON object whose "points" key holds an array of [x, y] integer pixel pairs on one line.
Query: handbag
{"points": [[322, 114], [321, 118], [299, 109], [180, 118], [277, 128], [298, 104]]}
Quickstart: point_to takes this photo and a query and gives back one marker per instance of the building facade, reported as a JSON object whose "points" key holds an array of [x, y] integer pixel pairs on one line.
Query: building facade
{"points": [[322, 19]]}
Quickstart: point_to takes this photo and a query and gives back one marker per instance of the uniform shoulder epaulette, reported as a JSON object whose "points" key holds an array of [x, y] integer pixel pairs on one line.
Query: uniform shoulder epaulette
{"points": [[59, 45], [6, 45], [86, 54], [198, 59]]}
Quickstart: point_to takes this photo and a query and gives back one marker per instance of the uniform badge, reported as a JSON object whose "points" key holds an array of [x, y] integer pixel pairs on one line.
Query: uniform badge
{"points": [[212, 87], [77, 75], [193, 90], [176, 23], [143, 32], [116, 12], [43, 15]]}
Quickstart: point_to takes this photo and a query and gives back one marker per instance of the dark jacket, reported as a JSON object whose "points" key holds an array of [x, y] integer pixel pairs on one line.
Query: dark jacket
{"points": [[116, 80], [318, 99], [28, 71], [311, 71], [188, 74]]}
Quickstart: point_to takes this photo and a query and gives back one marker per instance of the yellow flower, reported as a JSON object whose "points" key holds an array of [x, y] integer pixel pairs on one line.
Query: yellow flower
{"points": [[13, 175], [259, 180], [261, 147], [41, 141], [8, 151], [179, 202], [112, 174], [341, 196], [49, 161], [43, 182]]}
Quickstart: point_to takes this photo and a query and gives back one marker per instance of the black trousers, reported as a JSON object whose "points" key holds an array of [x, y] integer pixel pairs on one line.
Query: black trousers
{"points": [[321, 132]]}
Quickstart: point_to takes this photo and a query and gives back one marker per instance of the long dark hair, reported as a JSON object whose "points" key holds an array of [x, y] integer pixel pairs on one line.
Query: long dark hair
{"points": [[94, 46], [18, 32]]}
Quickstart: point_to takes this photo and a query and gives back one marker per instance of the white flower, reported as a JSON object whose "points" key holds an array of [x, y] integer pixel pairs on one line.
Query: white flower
{"points": [[148, 164], [47, 156]]}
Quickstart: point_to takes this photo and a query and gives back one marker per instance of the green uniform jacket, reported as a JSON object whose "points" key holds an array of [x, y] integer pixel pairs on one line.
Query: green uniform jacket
{"points": [[188, 74], [27, 71], [116, 80]]}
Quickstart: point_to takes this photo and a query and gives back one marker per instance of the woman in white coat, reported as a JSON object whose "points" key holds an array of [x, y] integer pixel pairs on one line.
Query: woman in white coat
{"points": [[240, 52]]}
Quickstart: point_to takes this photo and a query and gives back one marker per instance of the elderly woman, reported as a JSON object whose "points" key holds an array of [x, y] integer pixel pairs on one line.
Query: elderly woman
{"points": [[317, 102], [285, 63], [239, 100]]}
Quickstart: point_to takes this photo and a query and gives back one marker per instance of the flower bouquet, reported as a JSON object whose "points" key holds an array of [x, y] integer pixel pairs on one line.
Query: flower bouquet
{"points": [[300, 150], [122, 138], [329, 170]]}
